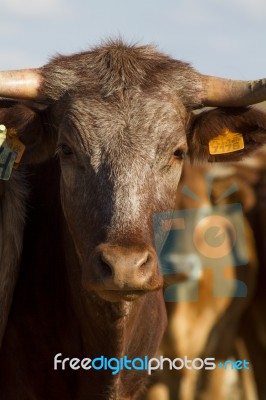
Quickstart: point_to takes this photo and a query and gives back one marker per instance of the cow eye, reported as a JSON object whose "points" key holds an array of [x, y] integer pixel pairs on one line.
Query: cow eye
{"points": [[65, 149], [180, 154]]}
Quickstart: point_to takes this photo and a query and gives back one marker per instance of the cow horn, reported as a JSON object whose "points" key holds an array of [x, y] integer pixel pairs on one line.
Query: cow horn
{"points": [[21, 84], [231, 93]]}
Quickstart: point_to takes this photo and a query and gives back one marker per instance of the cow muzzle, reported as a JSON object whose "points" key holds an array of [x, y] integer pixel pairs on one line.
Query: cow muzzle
{"points": [[122, 272]]}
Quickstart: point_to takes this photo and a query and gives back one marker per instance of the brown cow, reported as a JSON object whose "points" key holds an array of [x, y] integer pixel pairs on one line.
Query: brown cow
{"points": [[253, 324], [209, 325], [119, 119]]}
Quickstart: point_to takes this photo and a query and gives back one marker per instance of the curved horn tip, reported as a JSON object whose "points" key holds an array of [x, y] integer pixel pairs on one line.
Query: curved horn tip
{"points": [[232, 93]]}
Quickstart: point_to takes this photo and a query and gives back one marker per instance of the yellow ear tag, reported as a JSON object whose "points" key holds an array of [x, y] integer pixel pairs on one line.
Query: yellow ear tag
{"points": [[228, 142], [3, 133], [7, 155]]}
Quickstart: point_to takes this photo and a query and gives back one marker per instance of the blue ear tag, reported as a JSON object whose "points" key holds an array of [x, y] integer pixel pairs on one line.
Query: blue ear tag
{"points": [[7, 155]]}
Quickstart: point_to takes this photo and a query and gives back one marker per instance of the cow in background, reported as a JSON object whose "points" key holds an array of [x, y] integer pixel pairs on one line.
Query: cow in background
{"points": [[207, 325], [253, 323]]}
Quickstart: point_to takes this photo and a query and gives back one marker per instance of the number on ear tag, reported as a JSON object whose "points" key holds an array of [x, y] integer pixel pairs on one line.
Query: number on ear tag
{"points": [[228, 142]]}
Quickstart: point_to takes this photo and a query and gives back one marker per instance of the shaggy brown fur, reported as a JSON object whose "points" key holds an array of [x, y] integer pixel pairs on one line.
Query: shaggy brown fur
{"points": [[116, 68]]}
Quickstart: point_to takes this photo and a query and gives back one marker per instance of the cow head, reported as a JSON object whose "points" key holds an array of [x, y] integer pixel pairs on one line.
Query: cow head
{"points": [[119, 118]]}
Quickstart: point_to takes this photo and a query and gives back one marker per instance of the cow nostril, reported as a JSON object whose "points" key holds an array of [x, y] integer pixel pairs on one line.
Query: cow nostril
{"points": [[106, 269], [145, 263]]}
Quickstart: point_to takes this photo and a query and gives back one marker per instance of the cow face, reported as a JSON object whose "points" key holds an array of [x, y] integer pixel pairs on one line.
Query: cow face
{"points": [[120, 164], [119, 119]]}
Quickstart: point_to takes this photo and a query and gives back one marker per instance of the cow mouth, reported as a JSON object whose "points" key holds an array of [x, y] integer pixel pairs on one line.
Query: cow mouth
{"points": [[121, 295]]}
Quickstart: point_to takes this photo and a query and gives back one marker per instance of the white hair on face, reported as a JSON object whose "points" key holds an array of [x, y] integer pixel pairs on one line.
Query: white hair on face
{"points": [[12, 221]]}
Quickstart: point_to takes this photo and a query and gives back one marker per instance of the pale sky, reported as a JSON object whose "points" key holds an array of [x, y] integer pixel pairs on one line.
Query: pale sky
{"points": [[218, 37]]}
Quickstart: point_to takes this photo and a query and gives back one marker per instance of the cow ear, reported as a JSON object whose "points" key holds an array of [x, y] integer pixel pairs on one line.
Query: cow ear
{"points": [[226, 134], [27, 124]]}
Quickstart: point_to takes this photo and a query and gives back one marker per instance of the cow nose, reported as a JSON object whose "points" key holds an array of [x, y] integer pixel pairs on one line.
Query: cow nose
{"points": [[126, 268]]}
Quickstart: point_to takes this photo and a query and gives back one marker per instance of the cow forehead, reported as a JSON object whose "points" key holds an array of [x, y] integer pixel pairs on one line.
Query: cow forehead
{"points": [[133, 120]]}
